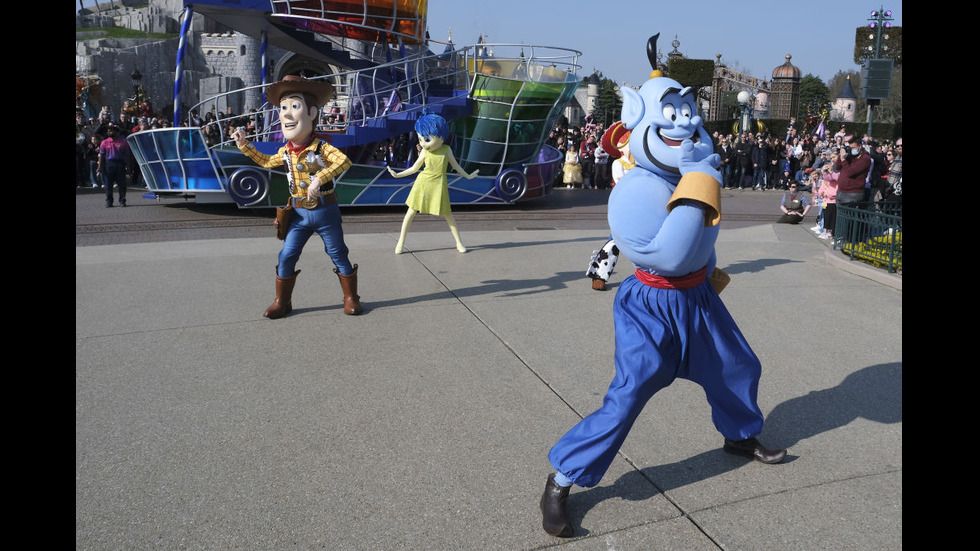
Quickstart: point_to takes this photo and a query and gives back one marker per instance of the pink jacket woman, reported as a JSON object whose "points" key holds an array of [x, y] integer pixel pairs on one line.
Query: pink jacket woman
{"points": [[828, 189], [828, 194]]}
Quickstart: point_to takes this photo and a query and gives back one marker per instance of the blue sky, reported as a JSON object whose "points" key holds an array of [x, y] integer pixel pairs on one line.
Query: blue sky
{"points": [[752, 36], [755, 36]]}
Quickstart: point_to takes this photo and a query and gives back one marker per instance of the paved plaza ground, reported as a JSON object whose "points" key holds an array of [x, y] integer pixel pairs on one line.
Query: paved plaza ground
{"points": [[425, 423]]}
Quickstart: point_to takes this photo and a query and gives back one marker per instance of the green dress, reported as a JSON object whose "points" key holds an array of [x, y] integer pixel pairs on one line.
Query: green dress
{"points": [[430, 193]]}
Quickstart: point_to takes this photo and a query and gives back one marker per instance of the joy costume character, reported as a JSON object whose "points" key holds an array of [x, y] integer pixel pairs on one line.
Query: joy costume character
{"points": [[669, 320], [430, 192], [311, 165], [603, 262]]}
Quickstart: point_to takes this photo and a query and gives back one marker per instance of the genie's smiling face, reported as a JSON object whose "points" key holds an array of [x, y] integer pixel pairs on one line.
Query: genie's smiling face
{"points": [[662, 114]]}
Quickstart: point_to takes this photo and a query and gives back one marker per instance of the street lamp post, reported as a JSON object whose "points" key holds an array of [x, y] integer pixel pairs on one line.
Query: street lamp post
{"points": [[745, 109], [877, 69]]}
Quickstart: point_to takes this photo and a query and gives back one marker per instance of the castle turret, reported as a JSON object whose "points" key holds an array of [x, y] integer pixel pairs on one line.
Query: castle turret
{"points": [[784, 96], [845, 105]]}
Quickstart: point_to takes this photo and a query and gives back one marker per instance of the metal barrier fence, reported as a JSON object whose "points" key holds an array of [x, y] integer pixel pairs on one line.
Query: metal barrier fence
{"points": [[871, 232]]}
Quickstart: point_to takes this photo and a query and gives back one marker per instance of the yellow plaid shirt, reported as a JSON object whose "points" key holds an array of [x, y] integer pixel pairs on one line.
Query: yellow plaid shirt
{"points": [[327, 165]]}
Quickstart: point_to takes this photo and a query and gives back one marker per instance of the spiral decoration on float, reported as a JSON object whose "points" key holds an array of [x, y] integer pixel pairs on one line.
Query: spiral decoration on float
{"points": [[511, 184], [248, 186]]}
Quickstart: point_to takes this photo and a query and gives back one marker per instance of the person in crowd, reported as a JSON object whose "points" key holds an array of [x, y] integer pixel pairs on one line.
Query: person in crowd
{"points": [[572, 169], [806, 159], [430, 192], [878, 175], [893, 192], [114, 153], [785, 179], [743, 161], [92, 159], [725, 152], [776, 146], [821, 159], [853, 167], [210, 130], [552, 139], [124, 124], [760, 162], [586, 157], [828, 198], [816, 180], [601, 179], [796, 147], [83, 135], [390, 155], [794, 205], [311, 166], [791, 129], [806, 178], [812, 182]]}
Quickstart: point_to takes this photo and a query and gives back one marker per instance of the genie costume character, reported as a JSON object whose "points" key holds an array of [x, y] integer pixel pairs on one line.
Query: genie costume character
{"points": [[670, 322]]}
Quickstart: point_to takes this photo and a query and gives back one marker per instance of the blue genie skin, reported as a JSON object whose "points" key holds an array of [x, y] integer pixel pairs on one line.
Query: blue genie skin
{"points": [[668, 143]]}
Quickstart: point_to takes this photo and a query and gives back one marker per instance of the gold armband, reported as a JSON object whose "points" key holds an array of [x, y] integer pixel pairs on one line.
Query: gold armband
{"points": [[701, 188]]}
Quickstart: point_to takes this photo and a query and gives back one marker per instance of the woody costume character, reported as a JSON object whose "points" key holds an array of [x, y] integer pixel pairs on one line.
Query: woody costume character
{"points": [[311, 165]]}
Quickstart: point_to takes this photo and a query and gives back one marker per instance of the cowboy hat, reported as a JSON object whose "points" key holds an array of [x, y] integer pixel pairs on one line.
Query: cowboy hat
{"points": [[320, 89]]}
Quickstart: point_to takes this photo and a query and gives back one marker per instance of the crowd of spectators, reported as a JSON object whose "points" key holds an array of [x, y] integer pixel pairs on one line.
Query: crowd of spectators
{"points": [[861, 170], [584, 141], [90, 132], [763, 161], [759, 161], [754, 161]]}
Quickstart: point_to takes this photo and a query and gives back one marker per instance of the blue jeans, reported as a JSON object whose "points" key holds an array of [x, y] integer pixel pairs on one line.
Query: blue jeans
{"points": [[323, 220], [738, 179]]}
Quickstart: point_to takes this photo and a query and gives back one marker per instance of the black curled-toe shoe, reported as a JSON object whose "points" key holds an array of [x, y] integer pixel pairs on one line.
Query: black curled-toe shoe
{"points": [[554, 517], [751, 448]]}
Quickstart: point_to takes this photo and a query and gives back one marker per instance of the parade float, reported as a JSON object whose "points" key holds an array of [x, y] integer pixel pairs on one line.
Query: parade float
{"points": [[501, 101]]}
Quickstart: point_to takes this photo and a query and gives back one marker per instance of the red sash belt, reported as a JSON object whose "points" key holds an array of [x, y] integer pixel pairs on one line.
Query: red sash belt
{"points": [[692, 279]]}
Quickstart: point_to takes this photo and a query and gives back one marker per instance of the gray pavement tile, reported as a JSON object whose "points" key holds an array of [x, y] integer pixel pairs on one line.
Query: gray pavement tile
{"points": [[425, 422]]}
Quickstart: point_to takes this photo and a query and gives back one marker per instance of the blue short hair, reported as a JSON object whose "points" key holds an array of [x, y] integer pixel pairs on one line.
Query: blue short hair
{"points": [[431, 124]]}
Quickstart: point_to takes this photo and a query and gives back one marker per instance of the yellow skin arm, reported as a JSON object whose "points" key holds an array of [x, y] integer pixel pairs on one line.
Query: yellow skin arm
{"points": [[431, 143]]}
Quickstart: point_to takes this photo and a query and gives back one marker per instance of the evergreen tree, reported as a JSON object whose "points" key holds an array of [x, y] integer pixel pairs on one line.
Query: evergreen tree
{"points": [[609, 104], [814, 97]]}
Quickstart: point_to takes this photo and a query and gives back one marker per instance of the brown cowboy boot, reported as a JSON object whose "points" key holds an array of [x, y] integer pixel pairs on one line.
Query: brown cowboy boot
{"points": [[348, 283], [283, 304]]}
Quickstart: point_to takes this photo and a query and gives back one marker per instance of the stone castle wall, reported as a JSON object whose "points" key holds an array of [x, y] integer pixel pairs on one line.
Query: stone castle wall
{"points": [[215, 61]]}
